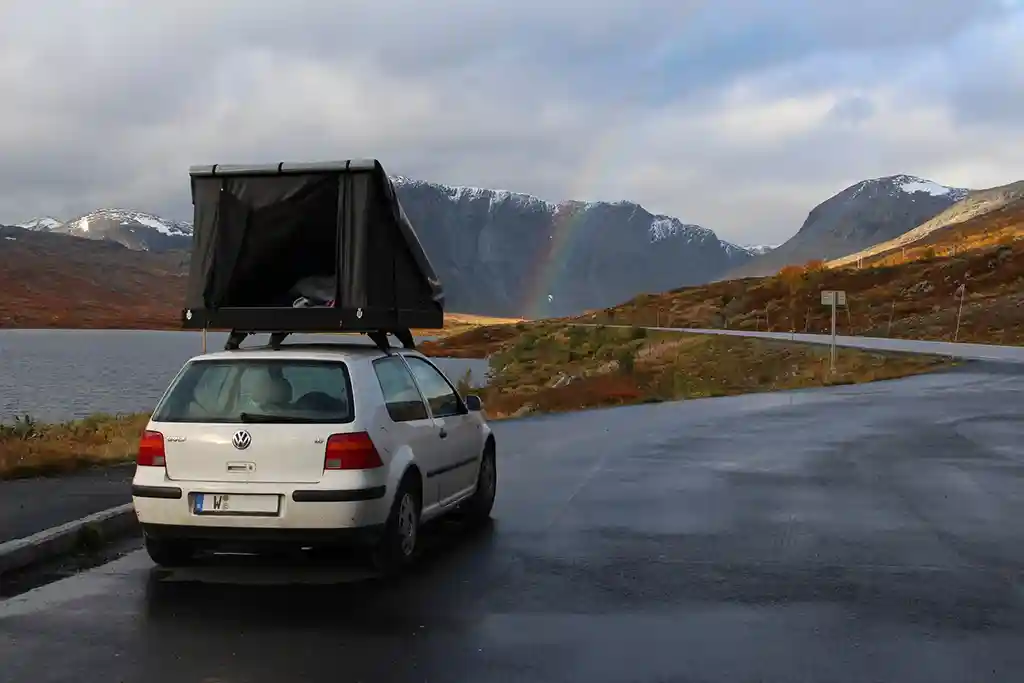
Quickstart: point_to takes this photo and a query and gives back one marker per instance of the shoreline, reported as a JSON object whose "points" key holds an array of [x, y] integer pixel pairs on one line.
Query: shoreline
{"points": [[542, 370]]}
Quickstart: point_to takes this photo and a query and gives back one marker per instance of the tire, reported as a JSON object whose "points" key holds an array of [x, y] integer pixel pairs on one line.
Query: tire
{"points": [[399, 544], [170, 553], [480, 504]]}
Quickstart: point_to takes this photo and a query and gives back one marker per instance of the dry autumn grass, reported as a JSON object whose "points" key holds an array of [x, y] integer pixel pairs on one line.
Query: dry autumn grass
{"points": [[552, 367], [916, 300], [1002, 226], [28, 448]]}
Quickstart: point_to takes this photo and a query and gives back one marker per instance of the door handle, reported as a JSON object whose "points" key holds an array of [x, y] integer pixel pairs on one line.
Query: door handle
{"points": [[443, 434]]}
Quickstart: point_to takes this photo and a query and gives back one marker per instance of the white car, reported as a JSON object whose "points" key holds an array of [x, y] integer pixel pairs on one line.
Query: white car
{"points": [[310, 445]]}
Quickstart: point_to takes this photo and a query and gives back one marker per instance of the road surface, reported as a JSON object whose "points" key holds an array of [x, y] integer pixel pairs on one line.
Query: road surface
{"points": [[861, 533]]}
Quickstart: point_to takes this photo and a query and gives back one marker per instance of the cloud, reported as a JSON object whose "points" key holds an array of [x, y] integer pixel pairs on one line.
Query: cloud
{"points": [[738, 114]]}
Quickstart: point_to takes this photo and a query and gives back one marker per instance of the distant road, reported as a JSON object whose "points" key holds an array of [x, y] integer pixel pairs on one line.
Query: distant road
{"points": [[989, 352]]}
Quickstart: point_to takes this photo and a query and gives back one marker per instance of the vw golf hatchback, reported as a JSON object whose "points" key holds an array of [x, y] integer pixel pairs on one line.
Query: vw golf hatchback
{"points": [[309, 446]]}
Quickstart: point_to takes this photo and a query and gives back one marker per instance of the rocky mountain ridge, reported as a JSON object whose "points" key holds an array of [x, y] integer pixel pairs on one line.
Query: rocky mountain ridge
{"points": [[499, 252]]}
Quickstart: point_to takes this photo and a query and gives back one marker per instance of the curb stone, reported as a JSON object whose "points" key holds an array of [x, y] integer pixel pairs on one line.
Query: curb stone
{"points": [[67, 538]]}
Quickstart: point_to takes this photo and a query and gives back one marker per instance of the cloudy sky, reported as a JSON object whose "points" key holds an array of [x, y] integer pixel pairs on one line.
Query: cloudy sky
{"points": [[740, 115]]}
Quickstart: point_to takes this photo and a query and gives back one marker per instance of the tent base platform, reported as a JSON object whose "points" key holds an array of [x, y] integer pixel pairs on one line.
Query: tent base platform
{"points": [[311, 320]]}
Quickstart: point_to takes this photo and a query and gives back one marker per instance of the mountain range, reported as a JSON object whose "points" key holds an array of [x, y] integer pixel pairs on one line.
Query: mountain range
{"points": [[502, 253]]}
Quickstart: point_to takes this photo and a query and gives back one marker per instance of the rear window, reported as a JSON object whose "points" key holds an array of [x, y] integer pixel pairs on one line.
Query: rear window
{"points": [[259, 390]]}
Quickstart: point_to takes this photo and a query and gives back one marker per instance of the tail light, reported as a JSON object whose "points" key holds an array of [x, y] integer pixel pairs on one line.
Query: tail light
{"points": [[351, 452], [151, 450]]}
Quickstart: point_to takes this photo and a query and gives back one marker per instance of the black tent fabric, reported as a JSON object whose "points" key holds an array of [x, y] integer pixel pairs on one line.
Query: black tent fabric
{"points": [[269, 240]]}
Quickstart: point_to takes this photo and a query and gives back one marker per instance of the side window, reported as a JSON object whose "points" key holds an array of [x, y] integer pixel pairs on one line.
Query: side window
{"points": [[400, 395], [443, 400]]}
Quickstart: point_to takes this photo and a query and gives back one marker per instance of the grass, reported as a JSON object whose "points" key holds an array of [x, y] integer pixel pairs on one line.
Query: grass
{"points": [[553, 367], [30, 448]]}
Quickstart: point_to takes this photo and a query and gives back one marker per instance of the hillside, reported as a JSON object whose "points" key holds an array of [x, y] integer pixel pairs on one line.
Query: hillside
{"points": [[983, 218], [52, 280], [860, 216], [133, 229], [102, 284], [913, 300]]}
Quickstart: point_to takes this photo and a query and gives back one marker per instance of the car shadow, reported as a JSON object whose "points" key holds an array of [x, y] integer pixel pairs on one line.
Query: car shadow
{"points": [[301, 585]]}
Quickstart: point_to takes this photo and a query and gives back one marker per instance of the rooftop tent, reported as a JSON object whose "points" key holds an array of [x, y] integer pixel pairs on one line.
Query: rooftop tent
{"points": [[306, 248]]}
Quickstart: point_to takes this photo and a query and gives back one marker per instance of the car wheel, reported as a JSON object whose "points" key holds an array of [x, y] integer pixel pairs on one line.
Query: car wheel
{"points": [[399, 543], [479, 506], [169, 553]]}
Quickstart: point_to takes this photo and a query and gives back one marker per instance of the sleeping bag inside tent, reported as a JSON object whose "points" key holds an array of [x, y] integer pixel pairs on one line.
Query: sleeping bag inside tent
{"points": [[306, 248]]}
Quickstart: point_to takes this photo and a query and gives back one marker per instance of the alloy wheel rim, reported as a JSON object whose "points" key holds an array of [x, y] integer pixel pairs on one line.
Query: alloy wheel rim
{"points": [[407, 524]]}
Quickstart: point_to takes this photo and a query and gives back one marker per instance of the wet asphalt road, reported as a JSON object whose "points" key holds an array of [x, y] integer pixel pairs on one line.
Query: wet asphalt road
{"points": [[871, 533]]}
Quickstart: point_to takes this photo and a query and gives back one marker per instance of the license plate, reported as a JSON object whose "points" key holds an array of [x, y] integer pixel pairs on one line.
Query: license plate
{"points": [[235, 504]]}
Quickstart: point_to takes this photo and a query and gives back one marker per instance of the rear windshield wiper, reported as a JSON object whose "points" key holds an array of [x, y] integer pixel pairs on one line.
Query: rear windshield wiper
{"points": [[289, 419]]}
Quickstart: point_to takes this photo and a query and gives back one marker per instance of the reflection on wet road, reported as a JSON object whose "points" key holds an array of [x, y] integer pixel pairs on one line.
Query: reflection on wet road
{"points": [[857, 534]]}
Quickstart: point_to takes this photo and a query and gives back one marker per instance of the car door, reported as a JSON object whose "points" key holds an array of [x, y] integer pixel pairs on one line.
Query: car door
{"points": [[462, 435], [411, 423]]}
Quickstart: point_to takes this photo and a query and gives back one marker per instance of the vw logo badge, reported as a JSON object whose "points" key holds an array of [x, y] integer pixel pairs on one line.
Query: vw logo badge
{"points": [[241, 440]]}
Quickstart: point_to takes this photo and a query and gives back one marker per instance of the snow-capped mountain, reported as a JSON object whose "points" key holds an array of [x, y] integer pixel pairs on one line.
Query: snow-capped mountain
{"points": [[662, 226], [758, 249], [910, 185], [45, 224], [512, 253], [133, 229], [974, 204], [863, 214]]}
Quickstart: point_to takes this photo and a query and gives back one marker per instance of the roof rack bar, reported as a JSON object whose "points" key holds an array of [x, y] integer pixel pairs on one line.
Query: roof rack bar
{"points": [[378, 337]]}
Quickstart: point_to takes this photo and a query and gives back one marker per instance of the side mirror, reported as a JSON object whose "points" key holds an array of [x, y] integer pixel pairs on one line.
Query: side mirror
{"points": [[474, 404]]}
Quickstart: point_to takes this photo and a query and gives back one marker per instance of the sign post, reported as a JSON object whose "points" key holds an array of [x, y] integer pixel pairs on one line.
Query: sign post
{"points": [[833, 298], [961, 291]]}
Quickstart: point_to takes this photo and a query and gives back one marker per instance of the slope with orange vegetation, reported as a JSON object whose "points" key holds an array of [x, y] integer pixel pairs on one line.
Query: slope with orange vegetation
{"points": [[999, 226], [914, 300], [56, 281]]}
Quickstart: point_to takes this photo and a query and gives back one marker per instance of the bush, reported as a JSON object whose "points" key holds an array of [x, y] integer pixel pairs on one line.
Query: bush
{"points": [[791, 276]]}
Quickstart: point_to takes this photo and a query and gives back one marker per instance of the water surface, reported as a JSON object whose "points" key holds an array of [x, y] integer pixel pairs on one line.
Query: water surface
{"points": [[63, 374]]}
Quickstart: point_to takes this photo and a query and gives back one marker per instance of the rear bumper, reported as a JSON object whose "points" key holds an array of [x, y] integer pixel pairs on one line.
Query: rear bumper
{"points": [[166, 505], [248, 537]]}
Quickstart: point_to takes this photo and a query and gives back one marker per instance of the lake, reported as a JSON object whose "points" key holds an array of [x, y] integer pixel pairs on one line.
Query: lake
{"points": [[57, 375]]}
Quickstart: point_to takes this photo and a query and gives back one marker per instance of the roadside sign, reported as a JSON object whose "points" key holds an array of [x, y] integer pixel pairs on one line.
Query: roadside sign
{"points": [[830, 297], [833, 298]]}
